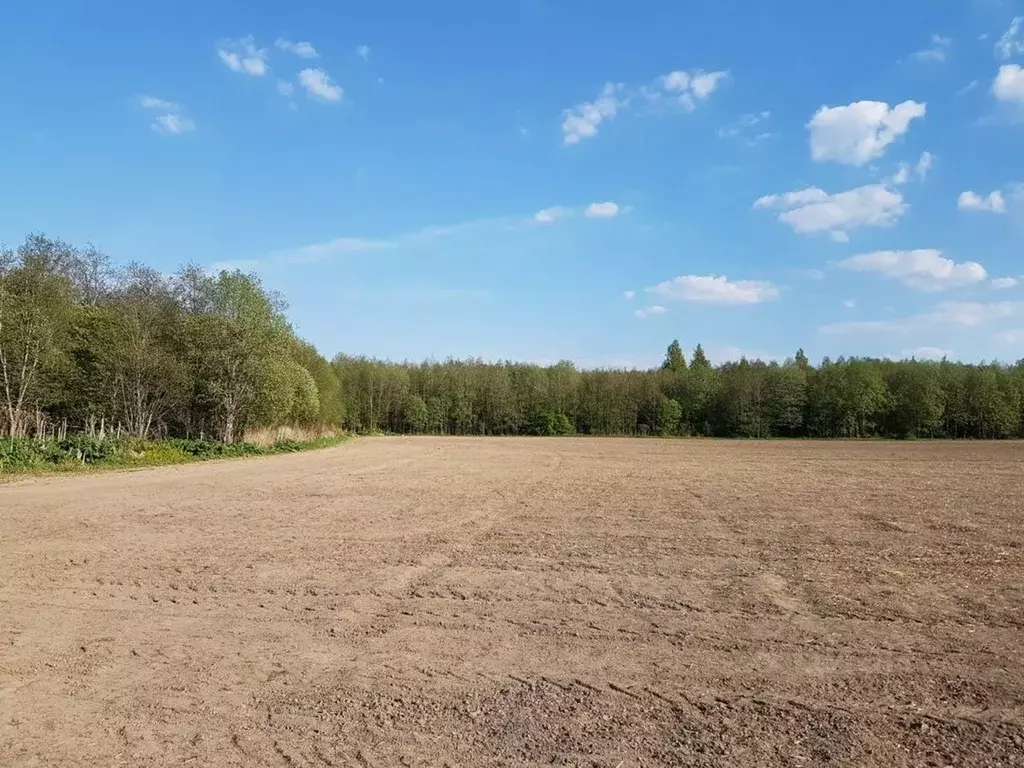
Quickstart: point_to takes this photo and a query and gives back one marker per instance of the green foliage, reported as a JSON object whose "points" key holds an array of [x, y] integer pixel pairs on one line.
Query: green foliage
{"points": [[674, 359], [416, 414], [845, 398], [700, 360], [549, 423], [87, 348], [670, 417], [28, 454], [91, 352]]}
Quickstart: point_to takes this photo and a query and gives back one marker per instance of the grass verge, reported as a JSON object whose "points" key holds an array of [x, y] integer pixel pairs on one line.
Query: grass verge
{"points": [[29, 456]]}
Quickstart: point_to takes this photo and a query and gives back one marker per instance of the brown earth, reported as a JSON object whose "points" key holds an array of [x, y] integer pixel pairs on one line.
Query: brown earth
{"points": [[483, 602]]}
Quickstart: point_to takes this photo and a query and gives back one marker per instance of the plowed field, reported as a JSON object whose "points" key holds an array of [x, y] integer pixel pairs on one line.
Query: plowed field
{"points": [[482, 602]]}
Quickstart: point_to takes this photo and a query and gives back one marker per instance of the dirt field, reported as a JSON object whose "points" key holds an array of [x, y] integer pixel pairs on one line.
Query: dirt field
{"points": [[521, 602]]}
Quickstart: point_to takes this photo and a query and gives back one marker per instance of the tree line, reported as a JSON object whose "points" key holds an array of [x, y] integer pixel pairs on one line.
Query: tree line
{"points": [[86, 346], [846, 397]]}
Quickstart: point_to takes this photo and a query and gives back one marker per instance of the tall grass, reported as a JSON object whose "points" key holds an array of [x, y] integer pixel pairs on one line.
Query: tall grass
{"points": [[270, 436]]}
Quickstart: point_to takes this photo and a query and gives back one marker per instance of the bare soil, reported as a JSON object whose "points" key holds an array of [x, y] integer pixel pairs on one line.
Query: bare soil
{"points": [[482, 602]]}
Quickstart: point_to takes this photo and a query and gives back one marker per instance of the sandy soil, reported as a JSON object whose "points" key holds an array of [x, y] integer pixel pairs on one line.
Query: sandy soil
{"points": [[521, 602]]}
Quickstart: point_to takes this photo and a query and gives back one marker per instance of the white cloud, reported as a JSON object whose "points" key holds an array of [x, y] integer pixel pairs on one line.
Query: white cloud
{"points": [[303, 49], [363, 51], [937, 51], [712, 289], [927, 353], [703, 83], [338, 247], [172, 122], [548, 215], [813, 210], [744, 121], [243, 56], [993, 202], [489, 228], [152, 102], [601, 210], [950, 314], [849, 303], [683, 88], [1011, 337], [285, 88], [1004, 283], [629, 295], [924, 164], [687, 88], [967, 88], [921, 168], [581, 122], [859, 132], [813, 274], [1009, 83], [1012, 41], [757, 138], [318, 85], [924, 269], [173, 125], [655, 309]]}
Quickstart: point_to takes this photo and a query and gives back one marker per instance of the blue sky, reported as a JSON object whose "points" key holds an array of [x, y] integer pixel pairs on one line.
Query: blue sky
{"points": [[544, 179]]}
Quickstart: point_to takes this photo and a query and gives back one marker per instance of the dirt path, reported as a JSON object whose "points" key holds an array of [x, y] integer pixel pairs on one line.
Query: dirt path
{"points": [[520, 602]]}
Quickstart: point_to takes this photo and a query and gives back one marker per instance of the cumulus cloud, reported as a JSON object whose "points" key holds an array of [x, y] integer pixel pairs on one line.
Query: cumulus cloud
{"points": [[285, 88], [173, 125], [173, 122], [924, 164], [582, 121], [548, 215], [921, 168], [1004, 283], [950, 314], [685, 88], [601, 210], [849, 303], [655, 309], [1012, 41], [742, 123], [363, 51], [715, 289], [812, 210], [937, 51], [971, 201], [243, 56], [1009, 84], [629, 295], [303, 49], [152, 102], [688, 88], [318, 85], [859, 132], [924, 269]]}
